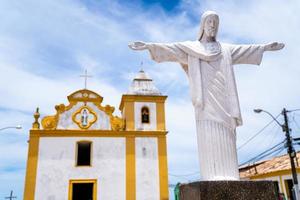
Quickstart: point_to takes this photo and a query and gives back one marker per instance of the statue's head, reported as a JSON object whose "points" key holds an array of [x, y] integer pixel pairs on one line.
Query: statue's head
{"points": [[209, 25]]}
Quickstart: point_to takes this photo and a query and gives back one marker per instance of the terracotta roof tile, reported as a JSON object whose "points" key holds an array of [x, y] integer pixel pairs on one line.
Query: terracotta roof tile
{"points": [[267, 166]]}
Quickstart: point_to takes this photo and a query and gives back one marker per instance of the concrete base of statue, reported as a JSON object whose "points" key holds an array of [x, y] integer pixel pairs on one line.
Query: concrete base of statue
{"points": [[229, 190]]}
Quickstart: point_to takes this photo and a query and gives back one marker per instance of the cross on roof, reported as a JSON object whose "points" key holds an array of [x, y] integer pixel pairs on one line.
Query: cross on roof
{"points": [[11, 197], [85, 76]]}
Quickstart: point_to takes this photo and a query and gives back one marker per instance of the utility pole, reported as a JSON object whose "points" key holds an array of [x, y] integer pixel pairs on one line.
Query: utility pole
{"points": [[291, 151], [289, 144]]}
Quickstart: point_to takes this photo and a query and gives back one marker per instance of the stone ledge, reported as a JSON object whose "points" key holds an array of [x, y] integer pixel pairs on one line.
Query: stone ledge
{"points": [[228, 190]]}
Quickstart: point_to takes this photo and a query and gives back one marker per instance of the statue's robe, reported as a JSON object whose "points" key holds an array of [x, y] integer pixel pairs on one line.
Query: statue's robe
{"points": [[209, 67]]}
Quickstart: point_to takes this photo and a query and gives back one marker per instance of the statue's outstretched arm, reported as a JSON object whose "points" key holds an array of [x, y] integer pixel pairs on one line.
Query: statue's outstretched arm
{"points": [[273, 46], [138, 45], [162, 52], [252, 54]]}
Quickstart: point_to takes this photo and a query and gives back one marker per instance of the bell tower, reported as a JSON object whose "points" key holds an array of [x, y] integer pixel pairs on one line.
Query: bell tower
{"points": [[143, 107], [143, 112]]}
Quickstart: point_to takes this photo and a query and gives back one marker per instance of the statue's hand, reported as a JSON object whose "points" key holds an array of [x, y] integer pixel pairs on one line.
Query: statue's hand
{"points": [[138, 46], [274, 46]]}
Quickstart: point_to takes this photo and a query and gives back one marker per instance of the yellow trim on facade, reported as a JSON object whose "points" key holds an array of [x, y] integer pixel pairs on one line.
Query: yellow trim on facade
{"points": [[281, 185], [86, 96], [141, 98], [91, 153], [163, 168], [160, 116], [130, 169], [129, 116], [276, 173], [50, 122], [94, 181], [95, 133], [31, 170], [287, 194], [36, 123]]}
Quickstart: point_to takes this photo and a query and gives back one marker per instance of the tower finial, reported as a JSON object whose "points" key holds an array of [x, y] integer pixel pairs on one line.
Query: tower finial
{"points": [[141, 67], [36, 124]]}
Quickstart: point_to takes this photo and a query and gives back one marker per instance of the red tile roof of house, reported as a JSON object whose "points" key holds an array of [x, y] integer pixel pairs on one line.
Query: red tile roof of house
{"points": [[275, 164]]}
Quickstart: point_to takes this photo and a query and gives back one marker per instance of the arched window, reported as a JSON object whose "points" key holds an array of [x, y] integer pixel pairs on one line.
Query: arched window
{"points": [[145, 115], [83, 153]]}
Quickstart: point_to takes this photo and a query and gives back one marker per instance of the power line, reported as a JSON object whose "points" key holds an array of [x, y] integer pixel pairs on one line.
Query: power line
{"points": [[258, 158], [275, 135], [278, 150], [298, 109], [295, 121], [265, 153], [256, 134]]}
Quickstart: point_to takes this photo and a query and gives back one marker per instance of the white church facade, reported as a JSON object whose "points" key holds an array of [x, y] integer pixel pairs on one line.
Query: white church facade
{"points": [[85, 152]]}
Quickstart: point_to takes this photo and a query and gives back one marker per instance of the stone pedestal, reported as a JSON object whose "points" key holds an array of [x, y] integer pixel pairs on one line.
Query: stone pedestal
{"points": [[228, 190]]}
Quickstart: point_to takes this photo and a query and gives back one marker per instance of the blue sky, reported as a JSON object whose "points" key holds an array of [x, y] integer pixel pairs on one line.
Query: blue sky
{"points": [[45, 46]]}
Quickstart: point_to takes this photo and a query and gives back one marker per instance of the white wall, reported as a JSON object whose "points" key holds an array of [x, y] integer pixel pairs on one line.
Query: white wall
{"points": [[137, 116], [56, 166], [147, 170]]}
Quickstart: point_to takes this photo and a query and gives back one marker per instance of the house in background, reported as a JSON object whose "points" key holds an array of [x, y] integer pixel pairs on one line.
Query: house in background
{"points": [[277, 169]]}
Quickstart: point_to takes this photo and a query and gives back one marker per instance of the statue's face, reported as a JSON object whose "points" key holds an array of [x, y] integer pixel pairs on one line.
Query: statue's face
{"points": [[211, 26]]}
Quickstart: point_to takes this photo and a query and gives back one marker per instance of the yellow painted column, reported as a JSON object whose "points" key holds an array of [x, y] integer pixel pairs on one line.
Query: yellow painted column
{"points": [[31, 170], [130, 168], [129, 115], [160, 116], [281, 185], [163, 168]]}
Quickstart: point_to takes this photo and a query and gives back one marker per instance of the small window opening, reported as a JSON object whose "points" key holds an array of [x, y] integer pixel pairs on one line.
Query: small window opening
{"points": [[145, 115], [84, 153], [82, 191]]}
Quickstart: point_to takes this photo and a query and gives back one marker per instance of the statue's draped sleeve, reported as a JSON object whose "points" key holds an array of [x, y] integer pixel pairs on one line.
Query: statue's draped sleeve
{"points": [[246, 54], [175, 52], [168, 52]]}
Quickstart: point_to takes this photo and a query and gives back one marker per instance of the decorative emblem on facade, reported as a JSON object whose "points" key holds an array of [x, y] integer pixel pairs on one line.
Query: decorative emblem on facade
{"points": [[84, 117]]}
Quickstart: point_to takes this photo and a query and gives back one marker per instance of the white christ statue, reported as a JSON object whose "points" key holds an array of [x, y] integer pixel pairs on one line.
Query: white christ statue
{"points": [[209, 67]]}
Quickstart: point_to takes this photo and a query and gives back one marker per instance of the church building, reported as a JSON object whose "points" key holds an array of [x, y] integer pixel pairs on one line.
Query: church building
{"points": [[85, 152]]}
